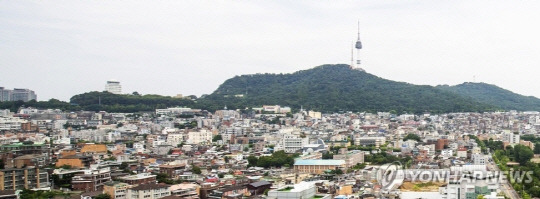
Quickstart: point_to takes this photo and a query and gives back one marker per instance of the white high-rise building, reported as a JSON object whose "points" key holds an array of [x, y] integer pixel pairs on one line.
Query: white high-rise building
{"points": [[512, 138], [200, 137], [17, 94], [293, 143], [113, 86]]}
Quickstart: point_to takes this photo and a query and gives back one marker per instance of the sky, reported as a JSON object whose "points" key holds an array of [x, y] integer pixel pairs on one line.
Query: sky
{"points": [[63, 48]]}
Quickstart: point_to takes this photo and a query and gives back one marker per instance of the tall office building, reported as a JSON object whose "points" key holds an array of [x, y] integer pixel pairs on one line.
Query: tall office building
{"points": [[17, 94], [5, 95], [23, 94], [114, 87]]}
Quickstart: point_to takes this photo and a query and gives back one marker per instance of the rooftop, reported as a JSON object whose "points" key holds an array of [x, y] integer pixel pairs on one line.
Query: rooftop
{"points": [[150, 187], [319, 162]]}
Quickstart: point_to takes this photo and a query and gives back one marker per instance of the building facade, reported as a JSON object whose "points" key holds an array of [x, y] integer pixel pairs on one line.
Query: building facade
{"points": [[17, 94], [351, 158], [293, 143], [149, 191], [114, 87], [117, 190], [318, 166], [23, 178]]}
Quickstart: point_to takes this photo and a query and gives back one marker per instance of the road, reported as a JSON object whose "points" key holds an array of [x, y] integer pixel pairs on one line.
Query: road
{"points": [[505, 186]]}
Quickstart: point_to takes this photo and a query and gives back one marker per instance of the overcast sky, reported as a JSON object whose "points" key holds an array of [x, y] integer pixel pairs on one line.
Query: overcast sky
{"points": [[63, 48]]}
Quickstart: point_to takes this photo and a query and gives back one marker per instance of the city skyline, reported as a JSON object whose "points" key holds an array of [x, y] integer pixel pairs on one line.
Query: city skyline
{"points": [[191, 47]]}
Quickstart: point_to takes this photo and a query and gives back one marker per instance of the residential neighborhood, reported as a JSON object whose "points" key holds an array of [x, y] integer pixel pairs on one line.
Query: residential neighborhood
{"points": [[267, 152]]}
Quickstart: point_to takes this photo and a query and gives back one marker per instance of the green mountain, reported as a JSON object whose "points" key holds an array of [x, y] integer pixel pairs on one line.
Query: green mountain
{"points": [[105, 101], [494, 95], [332, 88]]}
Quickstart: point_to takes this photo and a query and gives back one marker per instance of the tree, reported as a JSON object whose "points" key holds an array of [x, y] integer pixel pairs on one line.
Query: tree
{"points": [[525, 196], [163, 178], [123, 166], [537, 148], [103, 196], [216, 138], [289, 115], [66, 166], [252, 160], [412, 137], [534, 191], [196, 170], [327, 155], [522, 154], [277, 159]]}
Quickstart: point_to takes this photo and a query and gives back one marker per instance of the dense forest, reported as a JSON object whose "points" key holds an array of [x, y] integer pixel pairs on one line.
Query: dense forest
{"points": [[104, 101], [494, 95], [333, 88], [51, 104], [326, 88]]}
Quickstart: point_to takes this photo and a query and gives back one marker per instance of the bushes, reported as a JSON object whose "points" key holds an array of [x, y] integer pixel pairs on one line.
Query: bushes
{"points": [[277, 159]]}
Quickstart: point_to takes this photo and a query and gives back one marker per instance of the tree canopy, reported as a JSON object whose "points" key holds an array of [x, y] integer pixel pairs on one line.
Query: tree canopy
{"points": [[333, 88], [277, 159], [411, 136], [494, 95]]}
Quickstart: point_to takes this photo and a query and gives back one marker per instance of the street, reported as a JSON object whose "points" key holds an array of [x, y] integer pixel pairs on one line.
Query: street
{"points": [[506, 187]]}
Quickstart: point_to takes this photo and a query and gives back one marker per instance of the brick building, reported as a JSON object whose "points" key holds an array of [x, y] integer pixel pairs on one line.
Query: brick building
{"points": [[91, 180]]}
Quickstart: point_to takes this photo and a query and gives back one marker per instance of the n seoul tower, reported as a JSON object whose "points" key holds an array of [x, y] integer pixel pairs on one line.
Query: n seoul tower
{"points": [[358, 46]]}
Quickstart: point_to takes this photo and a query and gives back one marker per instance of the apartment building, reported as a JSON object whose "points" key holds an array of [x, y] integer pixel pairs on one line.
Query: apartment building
{"points": [[200, 137], [29, 177], [92, 179], [293, 143]]}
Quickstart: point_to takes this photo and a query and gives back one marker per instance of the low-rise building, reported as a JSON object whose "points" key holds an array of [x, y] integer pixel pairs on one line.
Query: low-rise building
{"points": [[351, 158], [369, 141], [141, 178], [149, 191], [117, 190], [318, 166], [91, 180], [297, 191]]}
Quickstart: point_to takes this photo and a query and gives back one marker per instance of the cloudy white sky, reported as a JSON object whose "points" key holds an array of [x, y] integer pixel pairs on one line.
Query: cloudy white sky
{"points": [[63, 48]]}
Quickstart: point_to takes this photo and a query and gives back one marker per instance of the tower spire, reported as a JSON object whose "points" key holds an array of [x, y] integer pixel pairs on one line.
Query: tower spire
{"points": [[358, 46], [358, 30], [352, 56]]}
